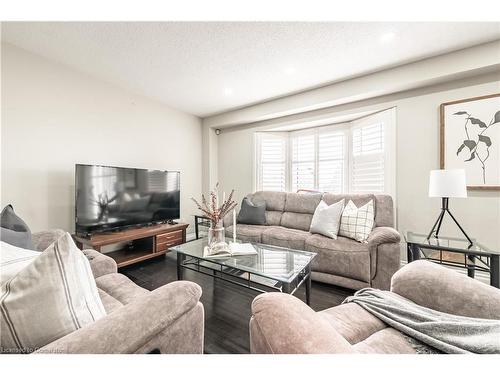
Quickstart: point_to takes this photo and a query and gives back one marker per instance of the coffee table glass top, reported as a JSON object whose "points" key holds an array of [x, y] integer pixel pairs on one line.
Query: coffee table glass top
{"points": [[448, 243], [271, 262]]}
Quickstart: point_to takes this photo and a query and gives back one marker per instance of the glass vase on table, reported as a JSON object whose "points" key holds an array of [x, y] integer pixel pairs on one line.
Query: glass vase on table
{"points": [[216, 236]]}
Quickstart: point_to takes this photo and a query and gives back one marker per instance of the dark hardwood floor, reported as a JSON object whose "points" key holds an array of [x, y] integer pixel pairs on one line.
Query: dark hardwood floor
{"points": [[227, 306]]}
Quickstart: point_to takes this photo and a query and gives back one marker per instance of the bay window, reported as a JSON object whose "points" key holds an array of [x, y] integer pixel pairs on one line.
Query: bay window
{"points": [[355, 157]]}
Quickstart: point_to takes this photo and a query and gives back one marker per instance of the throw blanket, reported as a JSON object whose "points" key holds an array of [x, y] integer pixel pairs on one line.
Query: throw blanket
{"points": [[444, 332]]}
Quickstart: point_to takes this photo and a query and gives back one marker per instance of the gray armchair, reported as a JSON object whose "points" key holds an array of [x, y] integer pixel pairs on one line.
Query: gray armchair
{"points": [[169, 319], [283, 324]]}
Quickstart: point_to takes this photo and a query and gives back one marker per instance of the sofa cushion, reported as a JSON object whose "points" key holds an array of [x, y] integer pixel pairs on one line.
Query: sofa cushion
{"points": [[353, 322], [252, 212], [296, 221], [110, 303], [284, 237], [273, 217], [385, 341], [120, 288], [343, 257], [384, 211], [299, 210], [365, 331], [247, 233], [275, 204], [275, 200], [302, 203]]}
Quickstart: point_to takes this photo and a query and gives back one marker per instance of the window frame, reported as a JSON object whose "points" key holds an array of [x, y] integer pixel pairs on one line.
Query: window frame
{"points": [[297, 134], [387, 117], [257, 160]]}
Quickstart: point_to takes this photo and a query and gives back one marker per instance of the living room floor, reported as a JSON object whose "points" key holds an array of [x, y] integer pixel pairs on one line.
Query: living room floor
{"points": [[227, 306]]}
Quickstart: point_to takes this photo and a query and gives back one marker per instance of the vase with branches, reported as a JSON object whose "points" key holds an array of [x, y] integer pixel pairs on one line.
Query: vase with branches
{"points": [[215, 213]]}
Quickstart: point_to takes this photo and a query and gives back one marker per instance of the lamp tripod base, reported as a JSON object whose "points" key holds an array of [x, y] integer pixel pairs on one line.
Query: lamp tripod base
{"points": [[437, 225]]}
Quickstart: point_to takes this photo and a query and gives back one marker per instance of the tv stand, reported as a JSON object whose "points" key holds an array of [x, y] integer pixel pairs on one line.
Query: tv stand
{"points": [[144, 243]]}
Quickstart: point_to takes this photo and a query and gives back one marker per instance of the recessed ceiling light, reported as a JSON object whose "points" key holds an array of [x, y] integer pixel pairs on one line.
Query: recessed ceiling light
{"points": [[290, 70], [387, 37], [228, 91]]}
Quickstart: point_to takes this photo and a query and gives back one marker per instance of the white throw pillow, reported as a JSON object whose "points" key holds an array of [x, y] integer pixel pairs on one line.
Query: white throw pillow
{"points": [[51, 297], [326, 219], [357, 223], [13, 259]]}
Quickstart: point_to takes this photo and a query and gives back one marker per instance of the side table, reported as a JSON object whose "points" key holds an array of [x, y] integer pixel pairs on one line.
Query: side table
{"points": [[477, 257]]}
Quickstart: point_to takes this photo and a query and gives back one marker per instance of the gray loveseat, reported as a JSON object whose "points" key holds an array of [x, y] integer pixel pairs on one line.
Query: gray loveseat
{"points": [[344, 262], [283, 324], [169, 319]]}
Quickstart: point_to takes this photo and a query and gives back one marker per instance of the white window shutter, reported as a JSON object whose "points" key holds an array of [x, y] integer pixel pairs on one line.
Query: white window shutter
{"points": [[331, 162], [271, 162], [368, 169], [355, 157], [303, 162]]}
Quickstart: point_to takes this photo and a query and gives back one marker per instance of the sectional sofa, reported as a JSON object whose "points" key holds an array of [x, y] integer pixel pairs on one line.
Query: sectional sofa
{"points": [[344, 262]]}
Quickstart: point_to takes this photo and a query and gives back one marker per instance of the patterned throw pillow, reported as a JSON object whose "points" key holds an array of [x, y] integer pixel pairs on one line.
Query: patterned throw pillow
{"points": [[357, 223], [54, 295]]}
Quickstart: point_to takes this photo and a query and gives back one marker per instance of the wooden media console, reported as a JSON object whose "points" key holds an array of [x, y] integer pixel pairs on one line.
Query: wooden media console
{"points": [[141, 243]]}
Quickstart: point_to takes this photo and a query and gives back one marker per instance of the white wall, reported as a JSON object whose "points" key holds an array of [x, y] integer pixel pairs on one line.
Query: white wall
{"points": [[54, 117], [417, 152]]}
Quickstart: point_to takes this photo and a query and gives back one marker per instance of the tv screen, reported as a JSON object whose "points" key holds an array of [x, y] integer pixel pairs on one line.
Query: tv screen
{"points": [[109, 198]]}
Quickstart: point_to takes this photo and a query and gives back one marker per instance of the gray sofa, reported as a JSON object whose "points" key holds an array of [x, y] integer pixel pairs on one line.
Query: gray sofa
{"points": [[169, 319], [344, 262], [282, 324]]}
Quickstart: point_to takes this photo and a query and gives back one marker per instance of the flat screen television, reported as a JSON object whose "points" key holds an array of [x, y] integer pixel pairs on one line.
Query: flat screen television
{"points": [[111, 198]]}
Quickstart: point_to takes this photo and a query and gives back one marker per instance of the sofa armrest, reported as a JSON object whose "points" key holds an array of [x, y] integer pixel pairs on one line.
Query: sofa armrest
{"points": [[439, 288], [100, 264], [127, 329], [283, 324], [383, 243], [380, 235], [44, 239]]}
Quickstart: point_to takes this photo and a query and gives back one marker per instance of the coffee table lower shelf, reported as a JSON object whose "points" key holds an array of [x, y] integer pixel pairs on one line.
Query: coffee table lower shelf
{"points": [[243, 278]]}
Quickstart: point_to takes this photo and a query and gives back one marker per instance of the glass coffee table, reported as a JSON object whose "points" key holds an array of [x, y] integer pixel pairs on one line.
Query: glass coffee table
{"points": [[272, 268]]}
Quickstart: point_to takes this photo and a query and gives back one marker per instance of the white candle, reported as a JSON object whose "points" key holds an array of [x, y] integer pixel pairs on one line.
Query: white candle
{"points": [[234, 225]]}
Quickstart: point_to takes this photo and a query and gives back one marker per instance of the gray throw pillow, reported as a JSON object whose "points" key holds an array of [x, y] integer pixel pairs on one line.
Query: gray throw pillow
{"points": [[14, 230], [252, 213], [326, 219]]}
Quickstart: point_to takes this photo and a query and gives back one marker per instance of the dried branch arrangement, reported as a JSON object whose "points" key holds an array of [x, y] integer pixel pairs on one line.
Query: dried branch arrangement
{"points": [[212, 210]]}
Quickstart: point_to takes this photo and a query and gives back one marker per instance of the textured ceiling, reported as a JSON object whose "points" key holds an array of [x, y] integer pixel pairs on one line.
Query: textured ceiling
{"points": [[205, 68]]}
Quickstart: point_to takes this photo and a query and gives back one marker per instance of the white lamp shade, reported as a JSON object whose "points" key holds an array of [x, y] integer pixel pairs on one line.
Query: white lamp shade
{"points": [[447, 183]]}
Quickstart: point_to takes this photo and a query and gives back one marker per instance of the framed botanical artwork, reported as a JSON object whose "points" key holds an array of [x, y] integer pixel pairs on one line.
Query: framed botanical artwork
{"points": [[470, 140]]}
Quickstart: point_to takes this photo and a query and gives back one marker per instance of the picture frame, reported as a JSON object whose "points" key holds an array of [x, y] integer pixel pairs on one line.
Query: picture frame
{"points": [[470, 139]]}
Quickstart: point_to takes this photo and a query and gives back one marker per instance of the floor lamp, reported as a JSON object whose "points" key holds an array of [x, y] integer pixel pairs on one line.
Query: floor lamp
{"points": [[446, 184]]}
